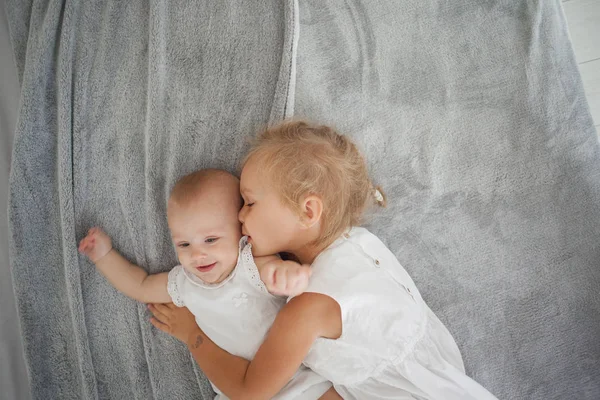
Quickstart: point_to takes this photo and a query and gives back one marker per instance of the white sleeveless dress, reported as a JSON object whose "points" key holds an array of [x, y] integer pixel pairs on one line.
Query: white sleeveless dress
{"points": [[236, 314], [392, 345]]}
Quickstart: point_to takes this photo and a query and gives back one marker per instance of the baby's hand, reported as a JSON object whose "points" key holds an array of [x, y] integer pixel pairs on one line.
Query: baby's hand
{"points": [[95, 245], [285, 278]]}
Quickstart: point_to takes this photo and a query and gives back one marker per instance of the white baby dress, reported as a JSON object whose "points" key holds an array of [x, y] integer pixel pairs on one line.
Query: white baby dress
{"points": [[392, 345], [236, 314]]}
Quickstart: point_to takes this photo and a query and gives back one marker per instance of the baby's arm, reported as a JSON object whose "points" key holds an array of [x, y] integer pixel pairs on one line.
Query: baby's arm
{"points": [[283, 278], [126, 277]]}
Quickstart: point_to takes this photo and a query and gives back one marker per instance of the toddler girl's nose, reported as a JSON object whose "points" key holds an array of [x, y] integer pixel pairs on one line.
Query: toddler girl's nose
{"points": [[241, 215]]}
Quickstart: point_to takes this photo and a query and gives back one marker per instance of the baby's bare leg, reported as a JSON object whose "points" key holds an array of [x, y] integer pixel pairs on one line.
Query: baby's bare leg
{"points": [[331, 394]]}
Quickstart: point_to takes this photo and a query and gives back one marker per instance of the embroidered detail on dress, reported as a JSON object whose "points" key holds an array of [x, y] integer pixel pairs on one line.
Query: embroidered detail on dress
{"points": [[240, 299]]}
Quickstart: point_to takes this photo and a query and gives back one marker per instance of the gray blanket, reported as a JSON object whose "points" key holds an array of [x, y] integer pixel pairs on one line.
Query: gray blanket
{"points": [[472, 116], [119, 100]]}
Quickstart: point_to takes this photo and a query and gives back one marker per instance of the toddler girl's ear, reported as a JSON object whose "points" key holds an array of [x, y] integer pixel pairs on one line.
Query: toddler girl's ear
{"points": [[312, 210]]}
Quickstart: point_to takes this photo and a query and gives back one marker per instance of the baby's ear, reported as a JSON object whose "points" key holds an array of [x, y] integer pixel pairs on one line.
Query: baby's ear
{"points": [[312, 210]]}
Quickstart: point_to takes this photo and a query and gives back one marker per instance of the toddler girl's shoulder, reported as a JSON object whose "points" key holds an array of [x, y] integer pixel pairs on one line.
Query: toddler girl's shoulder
{"points": [[344, 256], [354, 241], [344, 270], [363, 236], [370, 242], [356, 250]]}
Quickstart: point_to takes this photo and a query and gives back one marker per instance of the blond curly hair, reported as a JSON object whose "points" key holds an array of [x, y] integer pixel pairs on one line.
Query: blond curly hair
{"points": [[302, 159]]}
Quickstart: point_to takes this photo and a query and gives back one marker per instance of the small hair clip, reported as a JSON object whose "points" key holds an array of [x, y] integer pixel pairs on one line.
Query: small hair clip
{"points": [[378, 196]]}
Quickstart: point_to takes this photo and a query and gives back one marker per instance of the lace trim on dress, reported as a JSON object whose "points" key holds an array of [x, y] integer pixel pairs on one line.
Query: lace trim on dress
{"points": [[173, 288], [250, 266]]}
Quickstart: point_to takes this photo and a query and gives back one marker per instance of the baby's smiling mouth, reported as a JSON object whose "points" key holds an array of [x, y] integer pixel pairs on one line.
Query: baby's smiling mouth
{"points": [[205, 268]]}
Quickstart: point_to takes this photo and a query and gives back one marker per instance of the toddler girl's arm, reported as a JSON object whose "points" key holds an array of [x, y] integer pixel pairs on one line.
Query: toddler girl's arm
{"points": [[126, 277], [281, 277], [331, 394], [298, 324]]}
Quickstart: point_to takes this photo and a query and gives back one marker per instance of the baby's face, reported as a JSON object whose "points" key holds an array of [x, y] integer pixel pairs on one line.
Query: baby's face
{"points": [[206, 235]]}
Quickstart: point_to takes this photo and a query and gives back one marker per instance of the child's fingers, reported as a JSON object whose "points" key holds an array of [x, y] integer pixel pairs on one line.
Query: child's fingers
{"points": [[298, 275], [293, 285], [96, 234], [159, 325], [272, 275], [84, 246], [300, 284], [306, 271], [268, 277], [89, 244], [158, 310], [285, 281], [281, 282]]}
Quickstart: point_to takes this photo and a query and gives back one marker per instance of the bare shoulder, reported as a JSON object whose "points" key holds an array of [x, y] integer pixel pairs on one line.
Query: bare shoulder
{"points": [[319, 310]]}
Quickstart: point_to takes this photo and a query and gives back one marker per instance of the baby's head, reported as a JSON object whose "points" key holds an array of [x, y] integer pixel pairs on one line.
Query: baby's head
{"points": [[203, 219], [303, 185]]}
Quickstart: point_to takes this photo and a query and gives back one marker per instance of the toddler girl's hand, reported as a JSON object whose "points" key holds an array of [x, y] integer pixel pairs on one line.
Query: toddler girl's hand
{"points": [[285, 278], [95, 245], [176, 321]]}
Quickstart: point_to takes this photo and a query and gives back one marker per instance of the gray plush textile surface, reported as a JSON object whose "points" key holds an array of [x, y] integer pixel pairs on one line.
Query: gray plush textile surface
{"points": [[119, 100], [13, 375], [472, 116]]}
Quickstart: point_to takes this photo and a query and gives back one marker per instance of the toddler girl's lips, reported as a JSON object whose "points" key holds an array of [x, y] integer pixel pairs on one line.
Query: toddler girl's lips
{"points": [[206, 268]]}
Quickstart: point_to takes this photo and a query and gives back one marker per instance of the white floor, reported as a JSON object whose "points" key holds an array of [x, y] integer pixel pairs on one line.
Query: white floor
{"points": [[583, 17]]}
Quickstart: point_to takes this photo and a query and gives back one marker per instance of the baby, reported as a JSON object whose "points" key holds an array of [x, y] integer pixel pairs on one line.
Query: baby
{"points": [[233, 296]]}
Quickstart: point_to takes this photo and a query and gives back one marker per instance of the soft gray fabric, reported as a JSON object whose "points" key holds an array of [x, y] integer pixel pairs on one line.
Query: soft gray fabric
{"points": [[120, 99], [473, 118], [471, 114], [13, 376]]}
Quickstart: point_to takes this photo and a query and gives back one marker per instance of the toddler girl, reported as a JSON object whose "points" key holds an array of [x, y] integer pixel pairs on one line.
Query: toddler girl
{"points": [[218, 279], [361, 322]]}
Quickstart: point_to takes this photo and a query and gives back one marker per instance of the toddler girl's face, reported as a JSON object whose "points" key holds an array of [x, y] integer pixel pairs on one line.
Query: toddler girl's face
{"points": [[271, 226], [206, 235]]}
